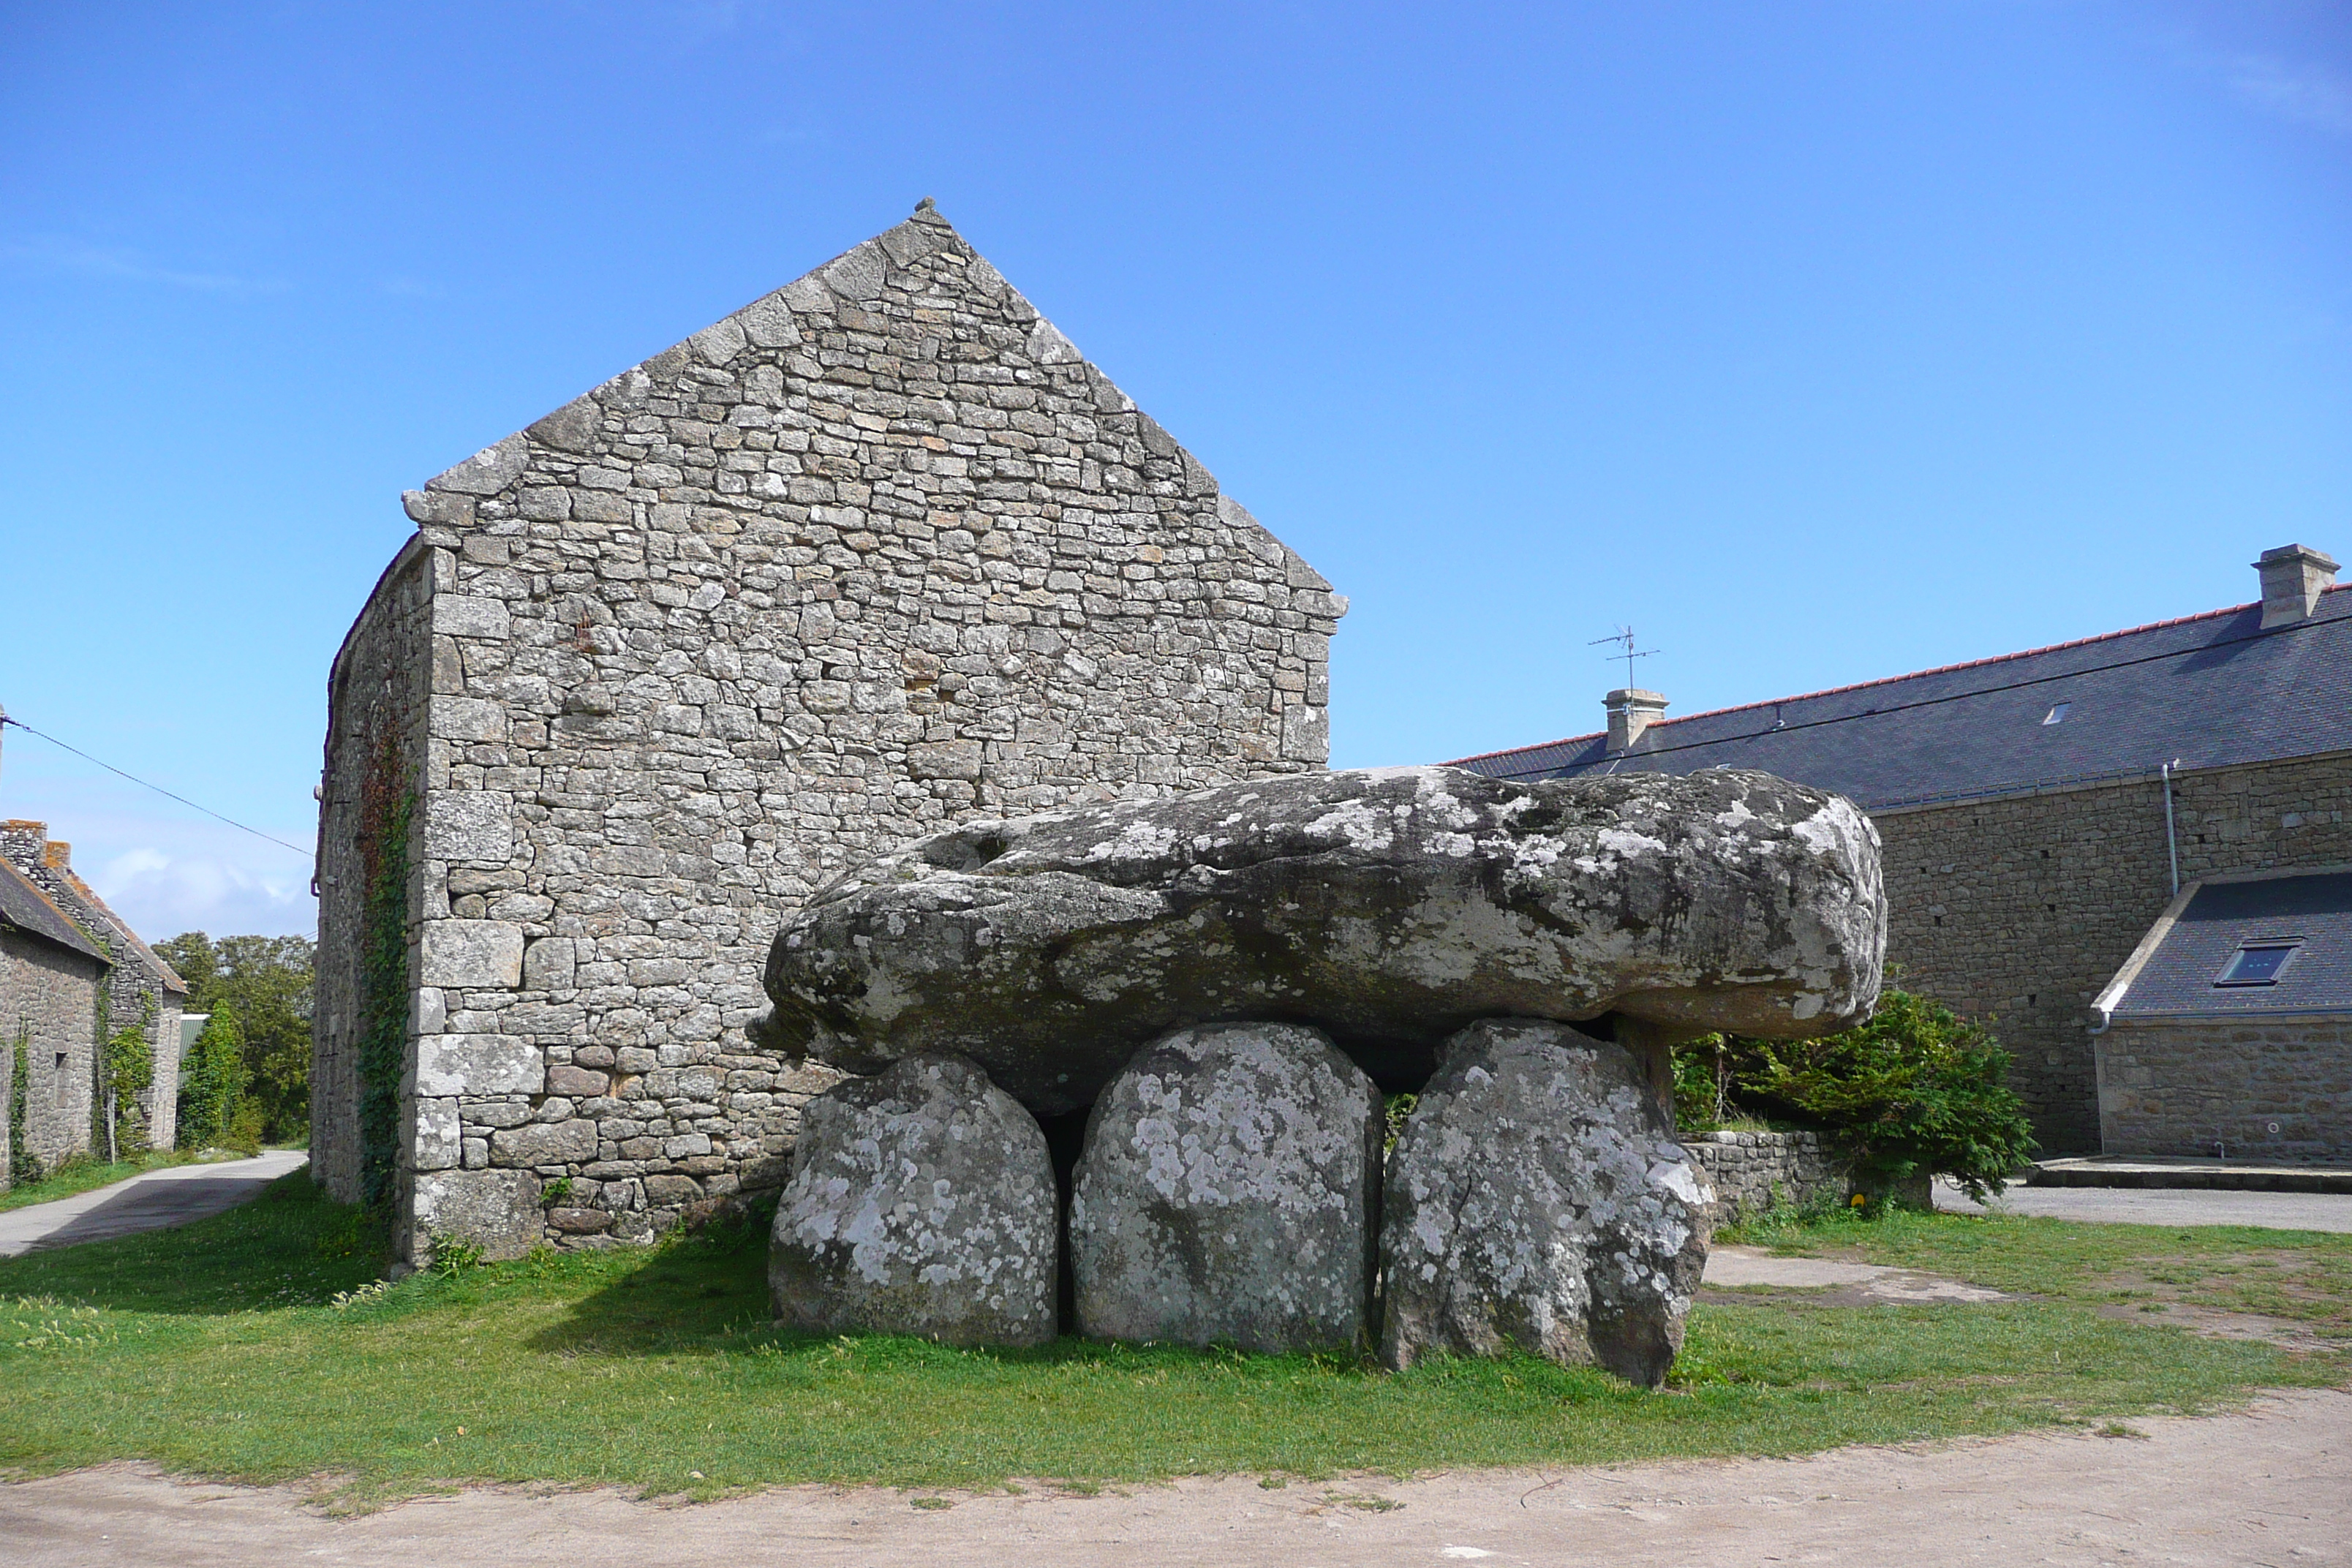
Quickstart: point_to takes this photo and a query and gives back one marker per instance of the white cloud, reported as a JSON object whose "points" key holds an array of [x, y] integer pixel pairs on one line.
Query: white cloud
{"points": [[162, 894], [161, 868], [104, 261], [2305, 93]]}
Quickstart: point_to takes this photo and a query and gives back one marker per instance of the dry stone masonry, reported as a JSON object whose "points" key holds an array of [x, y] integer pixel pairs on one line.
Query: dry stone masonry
{"points": [[1752, 1172], [1304, 936], [878, 553]]}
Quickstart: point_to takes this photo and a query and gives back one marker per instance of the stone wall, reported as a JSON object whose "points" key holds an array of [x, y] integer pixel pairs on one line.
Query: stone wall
{"points": [[1752, 1172], [2277, 1090], [52, 994], [375, 755], [878, 553], [2020, 908]]}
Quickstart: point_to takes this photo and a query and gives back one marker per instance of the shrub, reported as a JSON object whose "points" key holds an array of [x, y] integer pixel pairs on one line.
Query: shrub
{"points": [[1702, 1085], [213, 1091], [127, 1071], [1916, 1092]]}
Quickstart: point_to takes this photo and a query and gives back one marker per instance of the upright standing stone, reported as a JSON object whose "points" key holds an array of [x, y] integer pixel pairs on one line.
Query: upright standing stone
{"points": [[922, 1202], [1537, 1200], [1228, 1193]]}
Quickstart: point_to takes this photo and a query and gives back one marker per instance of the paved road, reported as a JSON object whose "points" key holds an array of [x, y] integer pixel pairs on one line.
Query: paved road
{"points": [[156, 1200], [2167, 1206], [2272, 1485]]}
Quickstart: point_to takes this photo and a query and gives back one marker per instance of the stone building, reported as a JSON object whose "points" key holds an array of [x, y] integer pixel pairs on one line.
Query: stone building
{"points": [[2229, 1030], [51, 978], [139, 989], [2040, 810], [877, 551]]}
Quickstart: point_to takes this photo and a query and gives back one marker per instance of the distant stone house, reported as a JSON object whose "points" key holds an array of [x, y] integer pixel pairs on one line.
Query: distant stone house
{"points": [[877, 551], [139, 990], [2041, 810], [51, 977]]}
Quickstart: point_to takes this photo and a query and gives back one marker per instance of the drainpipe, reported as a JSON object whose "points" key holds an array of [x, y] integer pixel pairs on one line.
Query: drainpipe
{"points": [[2171, 843]]}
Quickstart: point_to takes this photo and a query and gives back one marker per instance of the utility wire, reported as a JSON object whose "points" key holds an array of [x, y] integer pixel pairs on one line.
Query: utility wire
{"points": [[1638, 751], [159, 789]]}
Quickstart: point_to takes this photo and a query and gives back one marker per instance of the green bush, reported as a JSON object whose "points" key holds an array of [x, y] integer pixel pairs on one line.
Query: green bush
{"points": [[1917, 1091], [212, 1091], [1702, 1085]]}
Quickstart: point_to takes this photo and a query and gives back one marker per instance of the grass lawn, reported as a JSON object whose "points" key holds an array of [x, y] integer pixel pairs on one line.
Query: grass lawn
{"points": [[70, 1179], [220, 1347], [2302, 1278]]}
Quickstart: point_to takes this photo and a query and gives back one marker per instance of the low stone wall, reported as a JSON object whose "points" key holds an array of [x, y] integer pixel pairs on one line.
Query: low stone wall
{"points": [[1751, 1172]]}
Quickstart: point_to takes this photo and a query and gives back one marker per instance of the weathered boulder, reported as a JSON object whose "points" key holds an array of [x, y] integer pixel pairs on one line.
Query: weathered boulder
{"points": [[1537, 1200], [1388, 906], [922, 1202], [1228, 1191]]}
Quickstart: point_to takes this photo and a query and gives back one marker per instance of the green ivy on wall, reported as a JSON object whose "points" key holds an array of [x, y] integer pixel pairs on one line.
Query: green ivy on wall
{"points": [[385, 808], [24, 1165]]}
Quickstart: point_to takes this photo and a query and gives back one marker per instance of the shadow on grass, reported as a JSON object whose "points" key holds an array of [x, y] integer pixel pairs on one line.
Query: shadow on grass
{"points": [[291, 1245], [707, 1294]]}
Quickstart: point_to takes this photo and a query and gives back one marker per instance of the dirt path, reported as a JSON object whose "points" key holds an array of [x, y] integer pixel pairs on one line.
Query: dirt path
{"points": [[2272, 1486]]}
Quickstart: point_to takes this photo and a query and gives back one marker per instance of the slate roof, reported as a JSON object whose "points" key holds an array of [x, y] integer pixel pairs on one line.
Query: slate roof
{"points": [[2220, 918], [26, 908], [2209, 690]]}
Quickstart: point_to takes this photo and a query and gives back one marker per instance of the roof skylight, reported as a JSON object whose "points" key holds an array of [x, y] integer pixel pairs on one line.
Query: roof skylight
{"points": [[2057, 714], [2257, 963]]}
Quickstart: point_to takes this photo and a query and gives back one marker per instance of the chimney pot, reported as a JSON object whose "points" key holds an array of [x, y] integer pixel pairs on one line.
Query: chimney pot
{"points": [[2294, 577], [1631, 711]]}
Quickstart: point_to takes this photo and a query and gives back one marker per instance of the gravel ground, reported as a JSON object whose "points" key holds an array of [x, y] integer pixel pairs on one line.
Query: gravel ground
{"points": [[2271, 1485]]}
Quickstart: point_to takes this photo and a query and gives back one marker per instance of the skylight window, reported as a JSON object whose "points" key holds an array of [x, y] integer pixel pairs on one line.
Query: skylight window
{"points": [[2057, 714], [2257, 963]]}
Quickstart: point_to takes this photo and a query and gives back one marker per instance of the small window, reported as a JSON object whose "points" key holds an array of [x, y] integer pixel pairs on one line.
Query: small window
{"points": [[2257, 963], [2057, 714]]}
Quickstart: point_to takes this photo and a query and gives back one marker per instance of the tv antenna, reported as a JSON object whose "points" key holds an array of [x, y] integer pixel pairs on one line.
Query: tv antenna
{"points": [[1624, 635]]}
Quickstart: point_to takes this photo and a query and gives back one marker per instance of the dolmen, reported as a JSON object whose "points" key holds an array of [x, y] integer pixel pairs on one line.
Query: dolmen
{"points": [[1226, 983]]}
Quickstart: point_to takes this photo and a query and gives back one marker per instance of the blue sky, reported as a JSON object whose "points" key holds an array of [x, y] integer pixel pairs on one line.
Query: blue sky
{"points": [[1818, 341]]}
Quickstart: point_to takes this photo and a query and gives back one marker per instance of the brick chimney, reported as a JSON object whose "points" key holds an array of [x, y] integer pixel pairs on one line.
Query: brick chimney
{"points": [[58, 855], [1631, 711], [2294, 577]]}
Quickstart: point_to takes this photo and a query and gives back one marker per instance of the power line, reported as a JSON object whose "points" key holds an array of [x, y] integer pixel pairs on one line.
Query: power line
{"points": [[159, 789], [1778, 728]]}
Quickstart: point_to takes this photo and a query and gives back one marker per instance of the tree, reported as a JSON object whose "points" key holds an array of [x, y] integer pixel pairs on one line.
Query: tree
{"points": [[267, 980], [1916, 1092], [212, 1091]]}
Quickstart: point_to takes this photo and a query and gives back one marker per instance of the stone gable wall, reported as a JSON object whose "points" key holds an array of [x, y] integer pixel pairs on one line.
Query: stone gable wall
{"points": [[2271, 1089], [50, 996], [878, 553], [2019, 909]]}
